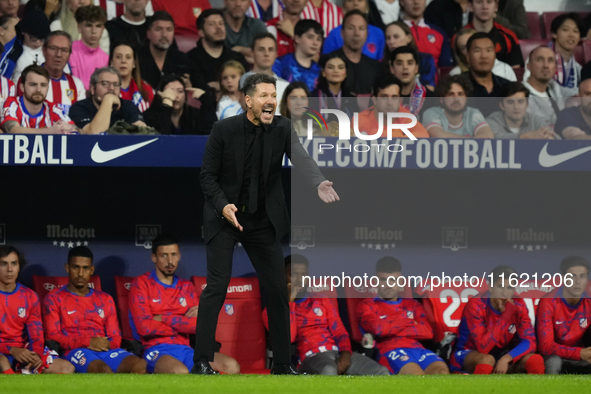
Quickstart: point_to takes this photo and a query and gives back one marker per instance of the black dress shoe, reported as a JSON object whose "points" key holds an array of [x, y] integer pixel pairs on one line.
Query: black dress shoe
{"points": [[203, 368], [284, 369]]}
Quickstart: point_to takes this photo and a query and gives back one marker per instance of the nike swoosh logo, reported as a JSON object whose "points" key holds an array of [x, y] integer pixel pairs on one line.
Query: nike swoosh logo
{"points": [[383, 317], [100, 156], [558, 322], [70, 312], [155, 300], [548, 160]]}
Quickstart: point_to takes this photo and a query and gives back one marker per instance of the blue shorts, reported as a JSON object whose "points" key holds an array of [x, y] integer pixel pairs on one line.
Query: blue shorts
{"points": [[458, 357], [11, 360], [182, 353], [82, 357], [400, 357]]}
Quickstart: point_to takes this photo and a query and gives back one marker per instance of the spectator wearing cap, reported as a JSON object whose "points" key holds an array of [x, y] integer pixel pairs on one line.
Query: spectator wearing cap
{"points": [[171, 111], [86, 55], [35, 29]]}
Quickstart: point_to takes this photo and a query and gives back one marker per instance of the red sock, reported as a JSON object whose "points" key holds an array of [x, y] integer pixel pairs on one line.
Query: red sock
{"points": [[8, 372], [483, 369], [535, 365]]}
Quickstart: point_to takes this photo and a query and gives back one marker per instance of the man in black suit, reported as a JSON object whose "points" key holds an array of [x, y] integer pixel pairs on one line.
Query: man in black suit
{"points": [[244, 202]]}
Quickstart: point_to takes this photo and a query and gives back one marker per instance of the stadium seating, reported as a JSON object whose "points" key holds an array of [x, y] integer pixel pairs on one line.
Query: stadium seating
{"points": [[354, 295], [444, 71], [186, 43], [529, 45], [534, 24], [586, 51], [240, 327], [44, 284], [519, 73], [122, 285]]}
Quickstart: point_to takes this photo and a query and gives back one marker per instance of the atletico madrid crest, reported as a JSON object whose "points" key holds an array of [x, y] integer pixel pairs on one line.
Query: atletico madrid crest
{"points": [[229, 309], [101, 313], [583, 322], [22, 312]]}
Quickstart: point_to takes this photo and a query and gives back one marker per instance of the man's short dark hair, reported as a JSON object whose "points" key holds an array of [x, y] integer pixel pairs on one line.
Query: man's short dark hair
{"points": [[163, 240], [159, 16], [573, 261], [80, 251], [502, 272], [57, 33], [513, 88], [33, 68], [404, 50], [351, 13], [477, 36], [5, 250], [206, 14], [296, 259], [261, 36], [444, 85], [250, 84], [388, 265], [560, 19], [91, 13], [304, 25], [385, 81]]}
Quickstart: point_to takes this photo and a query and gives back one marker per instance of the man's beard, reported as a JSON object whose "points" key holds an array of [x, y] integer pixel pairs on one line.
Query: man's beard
{"points": [[35, 98], [162, 45], [454, 111], [215, 43]]}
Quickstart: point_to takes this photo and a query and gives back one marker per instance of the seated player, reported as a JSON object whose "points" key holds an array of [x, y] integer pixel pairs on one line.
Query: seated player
{"points": [[562, 322], [84, 322], [513, 121], [20, 315], [496, 335], [163, 312], [398, 324], [31, 113], [103, 108], [386, 95], [455, 119], [322, 343]]}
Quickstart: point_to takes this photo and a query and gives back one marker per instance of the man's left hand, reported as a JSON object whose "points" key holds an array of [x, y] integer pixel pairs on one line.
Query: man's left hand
{"points": [[343, 363], [327, 193]]}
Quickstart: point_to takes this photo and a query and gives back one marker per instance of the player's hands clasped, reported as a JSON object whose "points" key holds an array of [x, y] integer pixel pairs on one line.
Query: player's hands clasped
{"points": [[99, 344], [26, 357]]}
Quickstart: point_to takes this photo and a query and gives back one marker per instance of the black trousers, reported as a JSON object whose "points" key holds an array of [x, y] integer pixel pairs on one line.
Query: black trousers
{"points": [[266, 256]]}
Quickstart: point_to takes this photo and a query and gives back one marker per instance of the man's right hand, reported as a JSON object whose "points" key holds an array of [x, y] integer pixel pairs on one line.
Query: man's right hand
{"points": [[293, 291], [544, 133], [286, 27], [99, 344], [229, 213], [586, 354], [26, 357], [112, 101]]}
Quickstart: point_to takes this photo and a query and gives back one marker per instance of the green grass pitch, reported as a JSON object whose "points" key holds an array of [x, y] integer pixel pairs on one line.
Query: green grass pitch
{"points": [[253, 384]]}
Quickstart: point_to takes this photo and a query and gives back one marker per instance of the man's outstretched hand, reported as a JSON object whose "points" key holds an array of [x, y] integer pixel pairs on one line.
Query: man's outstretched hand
{"points": [[327, 193]]}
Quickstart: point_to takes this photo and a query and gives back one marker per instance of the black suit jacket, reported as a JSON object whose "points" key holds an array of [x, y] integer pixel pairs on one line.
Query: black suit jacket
{"points": [[223, 169]]}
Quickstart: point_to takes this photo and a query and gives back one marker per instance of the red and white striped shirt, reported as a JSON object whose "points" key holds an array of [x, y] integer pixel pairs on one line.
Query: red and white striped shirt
{"points": [[14, 110], [254, 11], [328, 15], [64, 91], [7, 89], [132, 93]]}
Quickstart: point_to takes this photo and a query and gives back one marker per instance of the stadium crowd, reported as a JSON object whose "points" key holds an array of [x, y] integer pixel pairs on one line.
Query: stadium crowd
{"points": [[465, 68], [75, 328]]}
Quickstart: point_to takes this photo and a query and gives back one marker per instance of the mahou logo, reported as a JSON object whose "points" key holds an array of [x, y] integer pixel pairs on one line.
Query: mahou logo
{"points": [[529, 240], [377, 238], [69, 236]]}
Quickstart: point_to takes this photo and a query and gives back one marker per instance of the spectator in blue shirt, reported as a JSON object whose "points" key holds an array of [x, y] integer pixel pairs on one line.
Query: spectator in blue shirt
{"points": [[375, 43], [574, 123], [300, 65]]}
